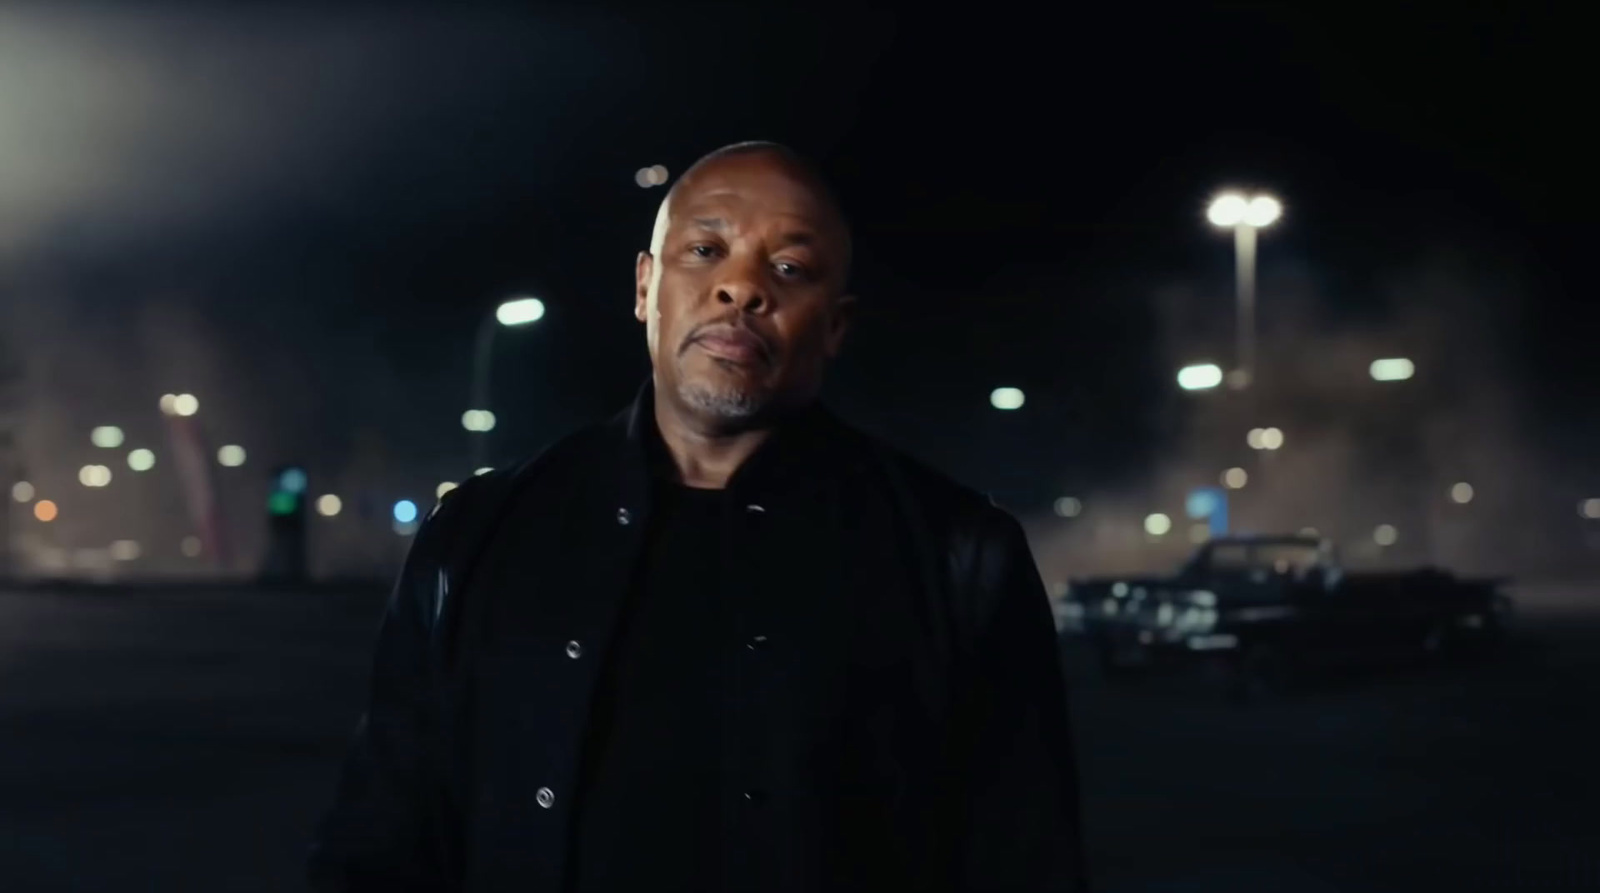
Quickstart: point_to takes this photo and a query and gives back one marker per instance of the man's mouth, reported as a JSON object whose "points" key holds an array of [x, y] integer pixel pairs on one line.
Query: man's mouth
{"points": [[738, 346]]}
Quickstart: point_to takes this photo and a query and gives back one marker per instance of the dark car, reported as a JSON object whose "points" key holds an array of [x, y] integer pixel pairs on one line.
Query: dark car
{"points": [[1265, 609]]}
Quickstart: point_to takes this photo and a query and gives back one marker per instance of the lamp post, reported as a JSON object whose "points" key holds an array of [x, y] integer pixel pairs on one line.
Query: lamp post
{"points": [[511, 314], [1244, 214]]}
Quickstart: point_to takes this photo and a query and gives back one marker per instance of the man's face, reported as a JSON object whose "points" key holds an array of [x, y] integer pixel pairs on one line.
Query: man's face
{"points": [[742, 292]]}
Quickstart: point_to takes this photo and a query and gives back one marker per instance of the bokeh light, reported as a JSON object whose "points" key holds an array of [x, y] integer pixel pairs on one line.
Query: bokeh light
{"points": [[1069, 507], [405, 511], [125, 550], [1007, 398], [45, 510], [329, 505], [1385, 535], [231, 456], [1157, 524], [1235, 478], [94, 476], [1590, 508], [141, 460], [185, 405], [191, 547], [1461, 493], [107, 437], [22, 491]]}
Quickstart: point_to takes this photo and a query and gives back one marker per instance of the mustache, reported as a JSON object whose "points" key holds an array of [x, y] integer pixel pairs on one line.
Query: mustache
{"points": [[728, 326]]}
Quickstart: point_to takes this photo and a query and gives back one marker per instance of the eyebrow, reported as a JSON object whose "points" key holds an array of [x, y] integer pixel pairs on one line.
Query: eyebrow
{"points": [[715, 224]]}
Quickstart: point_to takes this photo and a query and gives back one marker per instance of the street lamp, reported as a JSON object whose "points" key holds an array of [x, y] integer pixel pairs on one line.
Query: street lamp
{"points": [[1392, 369], [511, 314], [1244, 215], [1203, 377]]}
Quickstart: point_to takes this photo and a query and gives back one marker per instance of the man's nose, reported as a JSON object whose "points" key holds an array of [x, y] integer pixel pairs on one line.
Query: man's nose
{"points": [[744, 287]]}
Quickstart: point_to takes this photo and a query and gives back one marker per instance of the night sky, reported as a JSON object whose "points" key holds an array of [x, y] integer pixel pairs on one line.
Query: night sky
{"points": [[312, 209]]}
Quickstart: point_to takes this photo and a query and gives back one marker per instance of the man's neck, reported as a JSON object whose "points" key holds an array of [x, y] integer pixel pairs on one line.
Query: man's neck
{"points": [[705, 459]]}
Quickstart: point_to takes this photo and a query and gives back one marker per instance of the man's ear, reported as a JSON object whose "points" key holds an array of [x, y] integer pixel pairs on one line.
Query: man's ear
{"points": [[844, 312], [643, 268]]}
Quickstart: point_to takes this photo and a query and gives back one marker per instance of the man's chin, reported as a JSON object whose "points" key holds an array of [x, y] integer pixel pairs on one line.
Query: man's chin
{"points": [[724, 403]]}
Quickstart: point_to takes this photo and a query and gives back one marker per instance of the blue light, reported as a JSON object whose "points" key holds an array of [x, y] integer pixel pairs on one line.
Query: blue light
{"points": [[293, 480], [405, 511]]}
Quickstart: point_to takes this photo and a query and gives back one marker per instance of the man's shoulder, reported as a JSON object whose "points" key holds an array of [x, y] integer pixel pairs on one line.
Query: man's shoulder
{"points": [[486, 491], [942, 500]]}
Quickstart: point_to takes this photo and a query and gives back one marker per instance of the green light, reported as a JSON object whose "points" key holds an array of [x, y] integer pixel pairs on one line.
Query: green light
{"points": [[283, 503]]}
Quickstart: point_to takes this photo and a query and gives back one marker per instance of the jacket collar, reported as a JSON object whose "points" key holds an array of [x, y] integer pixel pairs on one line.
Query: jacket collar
{"points": [[807, 443]]}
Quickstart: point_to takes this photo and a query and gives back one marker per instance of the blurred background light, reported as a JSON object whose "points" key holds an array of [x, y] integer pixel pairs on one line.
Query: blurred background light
{"points": [[169, 404], [1256, 438], [1199, 533], [443, 488], [293, 480], [45, 510], [1393, 369], [1590, 508], [1069, 507], [22, 491], [1157, 524], [1199, 378], [125, 550], [185, 405], [94, 476], [1271, 439], [329, 505], [480, 471], [1235, 478], [478, 420], [282, 503], [405, 511], [1385, 535], [191, 547], [106, 437], [231, 456], [1007, 398], [1461, 493], [520, 312], [141, 460], [1228, 209], [1263, 210]]}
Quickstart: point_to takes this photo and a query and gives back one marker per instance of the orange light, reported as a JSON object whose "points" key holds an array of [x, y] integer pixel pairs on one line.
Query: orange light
{"points": [[45, 510]]}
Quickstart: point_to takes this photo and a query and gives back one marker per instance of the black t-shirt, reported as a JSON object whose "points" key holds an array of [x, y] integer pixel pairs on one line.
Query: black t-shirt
{"points": [[652, 807]]}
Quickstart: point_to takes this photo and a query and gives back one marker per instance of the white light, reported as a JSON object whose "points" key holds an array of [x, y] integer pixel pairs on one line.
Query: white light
{"points": [[520, 312], [107, 437], [1235, 478], [141, 460], [1200, 378], [1069, 507], [22, 491], [168, 404], [185, 405], [1255, 438], [658, 175], [1157, 524], [1007, 398], [1228, 209], [479, 420], [329, 505], [443, 488], [191, 547], [481, 471], [125, 550], [1385, 535], [1590, 508], [1271, 439], [1263, 210], [94, 475], [231, 456], [1393, 369], [1461, 493], [643, 177]]}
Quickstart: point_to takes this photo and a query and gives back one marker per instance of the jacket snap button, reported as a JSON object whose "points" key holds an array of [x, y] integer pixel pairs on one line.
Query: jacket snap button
{"points": [[624, 517], [755, 509], [574, 649], [545, 798]]}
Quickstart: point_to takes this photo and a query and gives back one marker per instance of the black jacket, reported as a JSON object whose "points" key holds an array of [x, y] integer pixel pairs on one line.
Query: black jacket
{"points": [[908, 724]]}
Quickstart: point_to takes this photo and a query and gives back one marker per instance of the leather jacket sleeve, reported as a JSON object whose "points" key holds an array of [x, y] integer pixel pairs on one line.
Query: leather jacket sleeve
{"points": [[383, 832], [1023, 831]]}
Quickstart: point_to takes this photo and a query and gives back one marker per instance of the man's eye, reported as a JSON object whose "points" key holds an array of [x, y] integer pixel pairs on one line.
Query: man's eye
{"points": [[703, 250], [789, 270]]}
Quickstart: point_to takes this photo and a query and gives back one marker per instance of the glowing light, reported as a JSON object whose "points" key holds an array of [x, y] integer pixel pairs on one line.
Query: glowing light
{"points": [[1271, 439], [479, 420], [107, 437], [45, 510], [443, 488], [293, 480], [658, 175], [1228, 209], [1461, 493], [1263, 210], [1393, 369], [22, 491], [169, 403], [520, 312], [329, 505], [94, 475], [282, 504], [1157, 524], [405, 511], [1199, 533], [141, 460], [1069, 507], [1200, 378], [482, 471], [125, 550], [1235, 478], [1201, 503], [191, 547], [231, 456], [1590, 508], [185, 405], [1254, 438], [1385, 535], [1007, 398]]}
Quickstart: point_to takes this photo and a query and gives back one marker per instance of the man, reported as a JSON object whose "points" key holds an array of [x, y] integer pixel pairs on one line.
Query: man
{"points": [[723, 642]]}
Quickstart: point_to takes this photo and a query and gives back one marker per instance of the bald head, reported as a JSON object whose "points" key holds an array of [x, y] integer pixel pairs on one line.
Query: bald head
{"points": [[742, 292], [783, 161]]}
